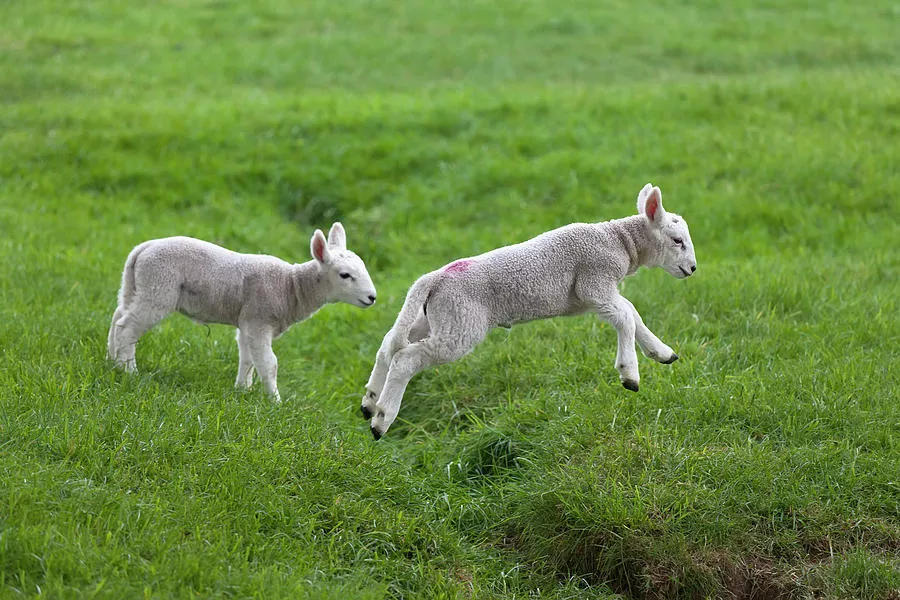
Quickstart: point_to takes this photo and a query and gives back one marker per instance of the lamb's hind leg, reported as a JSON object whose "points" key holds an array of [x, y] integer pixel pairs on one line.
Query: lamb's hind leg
{"points": [[111, 338], [389, 346], [134, 323], [439, 348], [378, 375], [651, 346]]}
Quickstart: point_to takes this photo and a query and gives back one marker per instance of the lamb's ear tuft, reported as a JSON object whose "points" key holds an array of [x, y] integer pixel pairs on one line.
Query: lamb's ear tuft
{"points": [[319, 247], [651, 207], [337, 237]]}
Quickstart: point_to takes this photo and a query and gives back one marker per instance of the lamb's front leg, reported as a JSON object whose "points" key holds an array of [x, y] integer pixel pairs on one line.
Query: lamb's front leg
{"points": [[651, 346], [245, 363], [617, 312], [264, 360]]}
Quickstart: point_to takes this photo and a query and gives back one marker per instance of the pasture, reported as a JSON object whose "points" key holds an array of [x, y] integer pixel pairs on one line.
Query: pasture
{"points": [[763, 464]]}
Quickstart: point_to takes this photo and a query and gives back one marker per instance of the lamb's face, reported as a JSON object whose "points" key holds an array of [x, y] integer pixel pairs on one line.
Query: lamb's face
{"points": [[674, 249], [677, 250], [344, 272], [349, 279]]}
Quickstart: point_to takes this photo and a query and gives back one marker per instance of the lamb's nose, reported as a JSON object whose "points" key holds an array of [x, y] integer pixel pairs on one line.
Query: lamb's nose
{"points": [[693, 268], [372, 297]]}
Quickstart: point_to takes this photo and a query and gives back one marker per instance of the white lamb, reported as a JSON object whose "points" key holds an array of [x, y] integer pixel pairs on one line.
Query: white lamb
{"points": [[260, 295], [570, 270]]}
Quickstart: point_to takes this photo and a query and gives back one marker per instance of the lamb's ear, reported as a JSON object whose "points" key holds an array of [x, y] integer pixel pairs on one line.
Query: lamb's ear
{"points": [[650, 204], [642, 197], [319, 247], [337, 238]]}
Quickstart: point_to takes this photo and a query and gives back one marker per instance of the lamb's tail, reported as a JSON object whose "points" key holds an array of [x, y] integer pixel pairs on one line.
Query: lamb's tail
{"points": [[415, 301], [126, 292]]}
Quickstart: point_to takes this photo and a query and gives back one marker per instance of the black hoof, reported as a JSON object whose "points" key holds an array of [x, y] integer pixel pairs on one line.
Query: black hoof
{"points": [[375, 434], [366, 412], [671, 360], [630, 385]]}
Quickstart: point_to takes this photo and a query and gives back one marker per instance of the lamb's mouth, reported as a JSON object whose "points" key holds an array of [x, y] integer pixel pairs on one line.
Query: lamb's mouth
{"points": [[683, 270], [367, 302]]}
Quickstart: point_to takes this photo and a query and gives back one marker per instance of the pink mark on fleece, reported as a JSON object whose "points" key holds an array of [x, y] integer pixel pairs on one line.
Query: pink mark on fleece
{"points": [[458, 266]]}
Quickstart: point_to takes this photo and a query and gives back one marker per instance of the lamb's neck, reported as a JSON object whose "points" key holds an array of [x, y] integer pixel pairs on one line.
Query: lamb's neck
{"points": [[637, 241], [310, 288]]}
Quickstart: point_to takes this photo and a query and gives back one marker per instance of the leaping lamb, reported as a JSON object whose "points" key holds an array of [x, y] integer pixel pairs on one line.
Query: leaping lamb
{"points": [[566, 271], [260, 295]]}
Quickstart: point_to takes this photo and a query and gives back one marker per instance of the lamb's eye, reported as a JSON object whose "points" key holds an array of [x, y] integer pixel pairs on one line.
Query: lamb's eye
{"points": [[345, 275], [678, 241]]}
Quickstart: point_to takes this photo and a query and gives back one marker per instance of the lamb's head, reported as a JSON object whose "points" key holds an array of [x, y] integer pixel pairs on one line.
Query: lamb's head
{"points": [[344, 272], [672, 241]]}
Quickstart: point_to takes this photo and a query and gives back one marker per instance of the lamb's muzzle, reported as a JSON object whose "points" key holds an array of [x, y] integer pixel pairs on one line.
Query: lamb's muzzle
{"points": [[567, 271]]}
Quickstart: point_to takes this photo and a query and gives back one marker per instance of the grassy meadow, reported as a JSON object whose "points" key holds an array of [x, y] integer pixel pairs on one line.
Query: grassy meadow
{"points": [[763, 464]]}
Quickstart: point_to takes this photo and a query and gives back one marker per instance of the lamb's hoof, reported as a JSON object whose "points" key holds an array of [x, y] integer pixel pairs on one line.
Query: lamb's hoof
{"points": [[366, 412], [375, 433], [630, 384], [672, 359]]}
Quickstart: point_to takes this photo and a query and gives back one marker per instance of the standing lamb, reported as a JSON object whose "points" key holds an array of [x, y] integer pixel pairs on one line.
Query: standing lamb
{"points": [[567, 271], [260, 295]]}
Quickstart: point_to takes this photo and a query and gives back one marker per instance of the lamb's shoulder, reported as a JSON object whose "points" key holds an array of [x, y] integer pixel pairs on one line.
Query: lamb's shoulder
{"points": [[604, 251]]}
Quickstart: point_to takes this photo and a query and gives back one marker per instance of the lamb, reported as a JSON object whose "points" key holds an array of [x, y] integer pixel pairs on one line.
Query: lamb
{"points": [[566, 271], [260, 295]]}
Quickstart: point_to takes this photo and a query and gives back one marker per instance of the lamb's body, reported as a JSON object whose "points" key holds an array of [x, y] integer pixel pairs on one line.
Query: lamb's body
{"points": [[537, 279], [211, 284], [566, 271], [261, 295]]}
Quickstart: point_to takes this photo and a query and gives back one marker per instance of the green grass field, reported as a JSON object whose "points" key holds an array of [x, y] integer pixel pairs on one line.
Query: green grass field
{"points": [[763, 464]]}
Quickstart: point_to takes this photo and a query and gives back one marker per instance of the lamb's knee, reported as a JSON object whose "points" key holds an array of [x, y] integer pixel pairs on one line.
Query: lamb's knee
{"points": [[384, 356], [270, 381], [127, 330], [266, 364], [137, 320], [392, 347], [410, 360], [623, 323], [268, 367], [618, 314]]}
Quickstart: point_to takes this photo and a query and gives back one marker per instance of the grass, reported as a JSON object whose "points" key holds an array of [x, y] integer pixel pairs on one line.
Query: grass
{"points": [[763, 464]]}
